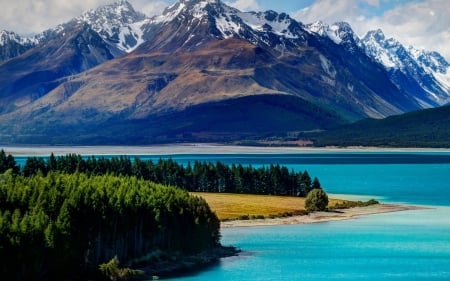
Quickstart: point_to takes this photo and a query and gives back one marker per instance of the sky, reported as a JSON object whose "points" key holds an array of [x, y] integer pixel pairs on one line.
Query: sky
{"points": [[421, 23]]}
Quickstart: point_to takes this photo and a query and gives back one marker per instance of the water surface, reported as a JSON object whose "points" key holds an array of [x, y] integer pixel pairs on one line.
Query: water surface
{"points": [[410, 245]]}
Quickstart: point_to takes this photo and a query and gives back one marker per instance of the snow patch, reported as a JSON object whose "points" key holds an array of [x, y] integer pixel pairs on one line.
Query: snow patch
{"points": [[333, 34], [171, 13], [443, 79], [259, 22], [227, 27], [328, 67], [336, 32], [134, 31], [6, 37]]}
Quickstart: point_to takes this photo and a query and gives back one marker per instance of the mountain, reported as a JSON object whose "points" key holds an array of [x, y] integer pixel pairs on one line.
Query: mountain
{"points": [[423, 75], [341, 33], [423, 128], [201, 71], [426, 74], [119, 24], [57, 54], [12, 45], [31, 76]]}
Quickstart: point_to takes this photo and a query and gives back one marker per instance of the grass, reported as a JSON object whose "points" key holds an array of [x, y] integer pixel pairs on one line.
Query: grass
{"points": [[244, 206]]}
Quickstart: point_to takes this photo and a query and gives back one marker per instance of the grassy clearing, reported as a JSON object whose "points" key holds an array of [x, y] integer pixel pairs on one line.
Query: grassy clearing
{"points": [[244, 206]]}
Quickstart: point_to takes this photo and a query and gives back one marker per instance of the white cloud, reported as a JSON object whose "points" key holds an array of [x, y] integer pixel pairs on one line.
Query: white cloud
{"points": [[245, 5], [28, 16], [150, 8], [329, 11], [423, 24], [33, 16]]}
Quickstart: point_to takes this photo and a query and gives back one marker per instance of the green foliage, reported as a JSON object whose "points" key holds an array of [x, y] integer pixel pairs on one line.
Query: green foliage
{"points": [[423, 128], [63, 216], [7, 162], [353, 204], [65, 225], [199, 177], [316, 200], [114, 273]]}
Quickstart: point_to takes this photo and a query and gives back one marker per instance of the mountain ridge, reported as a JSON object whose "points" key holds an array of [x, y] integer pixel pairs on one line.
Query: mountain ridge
{"points": [[423, 128], [127, 69]]}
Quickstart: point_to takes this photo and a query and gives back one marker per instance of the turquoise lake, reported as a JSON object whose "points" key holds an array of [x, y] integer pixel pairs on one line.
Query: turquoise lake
{"points": [[408, 245]]}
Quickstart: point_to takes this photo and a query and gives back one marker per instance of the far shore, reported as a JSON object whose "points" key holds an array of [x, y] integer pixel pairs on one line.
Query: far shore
{"points": [[192, 148], [333, 215]]}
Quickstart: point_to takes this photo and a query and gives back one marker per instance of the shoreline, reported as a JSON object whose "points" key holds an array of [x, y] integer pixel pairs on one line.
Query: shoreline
{"points": [[193, 148], [319, 217]]}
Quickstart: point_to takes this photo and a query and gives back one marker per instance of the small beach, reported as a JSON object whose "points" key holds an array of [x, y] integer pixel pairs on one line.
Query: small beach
{"points": [[344, 214]]}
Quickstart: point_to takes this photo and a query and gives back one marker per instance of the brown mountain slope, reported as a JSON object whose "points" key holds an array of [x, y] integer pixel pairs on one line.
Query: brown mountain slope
{"points": [[166, 93], [32, 75], [207, 57]]}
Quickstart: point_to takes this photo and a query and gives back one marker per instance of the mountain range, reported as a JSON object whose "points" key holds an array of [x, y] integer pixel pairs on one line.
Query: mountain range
{"points": [[204, 71]]}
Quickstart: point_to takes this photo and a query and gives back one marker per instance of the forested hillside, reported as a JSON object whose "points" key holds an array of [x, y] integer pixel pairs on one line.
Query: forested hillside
{"points": [[423, 128], [63, 226], [61, 217]]}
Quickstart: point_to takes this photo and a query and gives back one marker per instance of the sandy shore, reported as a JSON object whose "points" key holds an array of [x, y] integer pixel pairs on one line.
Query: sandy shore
{"points": [[345, 214], [190, 149]]}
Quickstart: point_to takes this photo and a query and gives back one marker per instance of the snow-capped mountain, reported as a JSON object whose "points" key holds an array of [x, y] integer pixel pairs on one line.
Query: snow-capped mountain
{"points": [[339, 32], [12, 44], [202, 68], [119, 24], [7, 37], [424, 74], [410, 67], [389, 52], [198, 21]]}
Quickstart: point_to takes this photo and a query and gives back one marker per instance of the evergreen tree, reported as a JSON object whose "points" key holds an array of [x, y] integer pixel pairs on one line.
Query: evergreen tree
{"points": [[7, 162], [65, 225], [201, 177], [316, 183]]}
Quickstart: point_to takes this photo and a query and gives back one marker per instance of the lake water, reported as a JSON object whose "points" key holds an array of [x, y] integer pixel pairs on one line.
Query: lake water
{"points": [[409, 245]]}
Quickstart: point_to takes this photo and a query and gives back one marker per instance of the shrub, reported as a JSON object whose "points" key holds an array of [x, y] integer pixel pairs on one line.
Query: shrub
{"points": [[316, 200]]}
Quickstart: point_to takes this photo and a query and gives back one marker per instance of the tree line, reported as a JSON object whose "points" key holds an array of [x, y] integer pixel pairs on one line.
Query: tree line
{"points": [[198, 177], [63, 226], [61, 217]]}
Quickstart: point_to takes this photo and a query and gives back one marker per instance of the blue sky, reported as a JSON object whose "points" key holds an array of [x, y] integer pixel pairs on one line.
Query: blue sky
{"points": [[421, 23]]}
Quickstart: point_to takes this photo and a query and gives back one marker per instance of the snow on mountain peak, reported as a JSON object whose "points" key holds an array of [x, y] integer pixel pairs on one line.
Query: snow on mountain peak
{"points": [[433, 61], [230, 21], [110, 17], [317, 27], [171, 12], [8, 36], [383, 50], [339, 32], [429, 69], [117, 23]]}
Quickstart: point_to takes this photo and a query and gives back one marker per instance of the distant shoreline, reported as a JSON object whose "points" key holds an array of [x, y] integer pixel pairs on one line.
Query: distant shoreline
{"points": [[338, 215], [194, 148]]}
